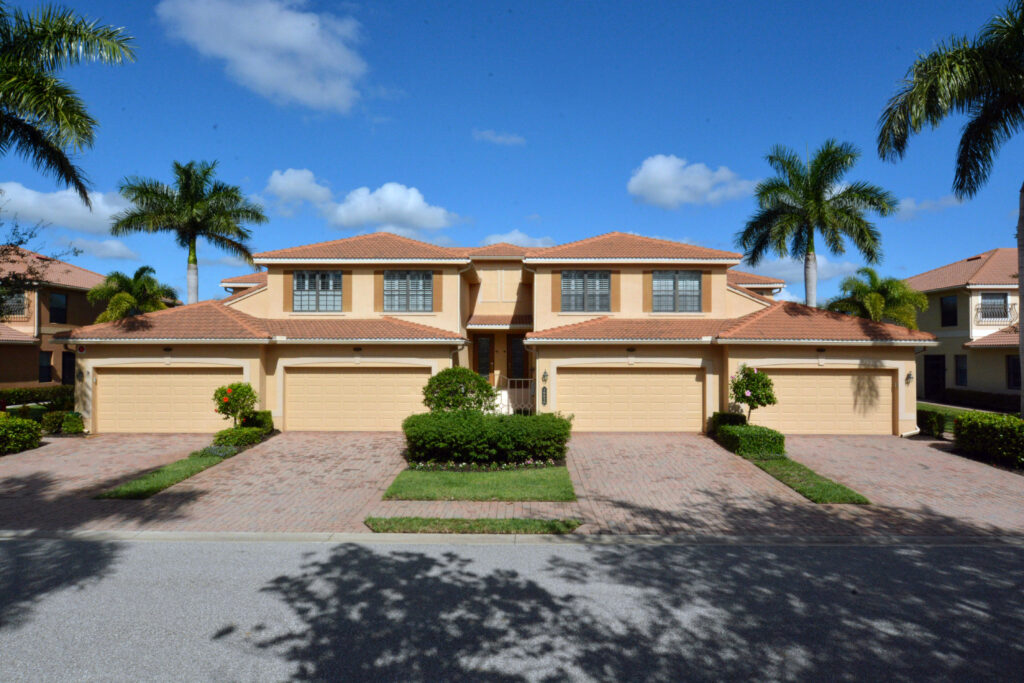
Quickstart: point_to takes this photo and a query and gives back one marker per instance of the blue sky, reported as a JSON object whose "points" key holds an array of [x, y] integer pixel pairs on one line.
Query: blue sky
{"points": [[469, 122]]}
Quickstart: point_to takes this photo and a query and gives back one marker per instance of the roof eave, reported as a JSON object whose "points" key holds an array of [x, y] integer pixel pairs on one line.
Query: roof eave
{"points": [[833, 342], [622, 259], [354, 261], [618, 340]]}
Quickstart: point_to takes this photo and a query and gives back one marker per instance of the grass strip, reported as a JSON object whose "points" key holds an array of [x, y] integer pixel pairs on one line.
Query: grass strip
{"points": [[545, 483], [948, 413], [806, 481], [440, 525], [157, 480]]}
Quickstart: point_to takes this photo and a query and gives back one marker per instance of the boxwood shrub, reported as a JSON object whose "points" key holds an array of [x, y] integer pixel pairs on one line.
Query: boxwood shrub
{"points": [[751, 440], [473, 436], [72, 424], [931, 422], [239, 437], [52, 421], [261, 419], [17, 435], [990, 437], [721, 419]]}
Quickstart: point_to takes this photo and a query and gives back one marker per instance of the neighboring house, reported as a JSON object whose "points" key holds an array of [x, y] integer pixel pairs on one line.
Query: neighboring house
{"points": [[973, 311], [242, 282], [29, 355], [624, 332]]}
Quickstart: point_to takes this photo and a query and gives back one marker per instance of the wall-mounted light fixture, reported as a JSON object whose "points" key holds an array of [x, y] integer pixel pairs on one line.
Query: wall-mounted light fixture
{"points": [[167, 349], [910, 377], [631, 349], [544, 377], [821, 350], [357, 349]]}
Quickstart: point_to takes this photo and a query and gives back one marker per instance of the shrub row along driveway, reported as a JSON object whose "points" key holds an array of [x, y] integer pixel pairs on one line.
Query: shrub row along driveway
{"points": [[626, 483]]}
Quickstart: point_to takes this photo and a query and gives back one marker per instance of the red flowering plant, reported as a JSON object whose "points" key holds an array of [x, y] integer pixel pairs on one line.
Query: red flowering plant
{"points": [[752, 388], [237, 401]]}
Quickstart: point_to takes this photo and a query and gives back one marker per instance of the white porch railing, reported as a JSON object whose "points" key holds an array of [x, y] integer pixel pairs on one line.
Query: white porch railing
{"points": [[995, 314], [515, 396]]}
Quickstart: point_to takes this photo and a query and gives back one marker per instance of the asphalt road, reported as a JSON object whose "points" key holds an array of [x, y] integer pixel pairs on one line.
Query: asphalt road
{"points": [[131, 610]]}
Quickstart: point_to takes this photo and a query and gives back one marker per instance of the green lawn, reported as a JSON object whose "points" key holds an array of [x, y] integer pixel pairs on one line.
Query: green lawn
{"points": [[948, 412], [806, 481], [157, 480], [547, 483], [439, 525]]}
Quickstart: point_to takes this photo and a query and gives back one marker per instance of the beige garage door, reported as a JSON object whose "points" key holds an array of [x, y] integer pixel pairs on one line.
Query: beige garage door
{"points": [[352, 399], [160, 399], [632, 399], [830, 402]]}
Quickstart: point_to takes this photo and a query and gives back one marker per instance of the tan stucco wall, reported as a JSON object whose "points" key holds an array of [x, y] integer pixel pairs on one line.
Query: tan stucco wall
{"points": [[256, 304], [738, 305], [986, 370]]}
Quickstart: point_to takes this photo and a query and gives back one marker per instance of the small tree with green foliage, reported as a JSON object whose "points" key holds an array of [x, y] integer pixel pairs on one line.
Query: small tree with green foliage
{"points": [[458, 389], [752, 388], [237, 401]]}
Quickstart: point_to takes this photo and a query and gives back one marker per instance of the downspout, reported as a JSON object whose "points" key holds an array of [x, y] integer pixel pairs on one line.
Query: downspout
{"points": [[35, 318], [462, 330]]}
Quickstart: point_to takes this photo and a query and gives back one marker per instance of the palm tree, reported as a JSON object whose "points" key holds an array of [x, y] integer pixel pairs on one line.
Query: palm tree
{"points": [[196, 207], [805, 200], [129, 296], [886, 299], [982, 78], [41, 117]]}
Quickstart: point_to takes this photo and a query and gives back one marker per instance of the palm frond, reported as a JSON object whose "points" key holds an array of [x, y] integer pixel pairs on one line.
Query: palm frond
{"points": [[43, 152]]}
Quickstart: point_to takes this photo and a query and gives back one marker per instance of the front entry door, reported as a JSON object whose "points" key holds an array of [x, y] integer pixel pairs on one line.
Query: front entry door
{"points": [[483, 362], [934, 376], [67, 367], [516, 357]]}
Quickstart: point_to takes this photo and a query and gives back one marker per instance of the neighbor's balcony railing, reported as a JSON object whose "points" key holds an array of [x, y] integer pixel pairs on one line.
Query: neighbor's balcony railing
{"points": [[515, 396], [995, 314]]}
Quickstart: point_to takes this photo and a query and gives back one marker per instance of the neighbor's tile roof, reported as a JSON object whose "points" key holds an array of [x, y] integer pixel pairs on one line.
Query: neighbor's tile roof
{"points": [[243, 293], [993, 267], [375, 246], [13, 336], [250, 280], [51, 270], [502, 249], [620, 245], [510, 319], [216, 322], [673, 329], [787, 320], [1004, 338], [738, 278]]}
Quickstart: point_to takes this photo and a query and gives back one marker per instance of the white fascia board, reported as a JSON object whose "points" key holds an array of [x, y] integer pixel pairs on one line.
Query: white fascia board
{"points": [[437, 340], [4, 342], [499, 327], [246, 295], [692, 340], [998, 286], [124, 340], [484, 257], [238, 285], [613, 259], [366, 261], [829, 342]]}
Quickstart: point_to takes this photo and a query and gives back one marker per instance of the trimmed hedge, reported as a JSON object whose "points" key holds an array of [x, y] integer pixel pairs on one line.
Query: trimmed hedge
{"points": [[751, 440], [991, 438], [17, 435], [261, 419], [982, 400], [60, 396], [473, 436], [239, 437], [214, 452], [52, 421], [72, 424], [721, 419], [931, 422]]}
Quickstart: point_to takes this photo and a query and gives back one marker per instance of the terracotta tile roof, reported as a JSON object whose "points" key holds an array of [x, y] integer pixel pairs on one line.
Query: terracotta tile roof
{"points": [[639, 329], [1008, 337], [250, 280], [9, 335], [509, 320], [502, 249], [385, 328], [738, 278], [52, 270], [243, 293], [993, 267], [620, 245], [752, 294], [375, 246], [787, 320]]}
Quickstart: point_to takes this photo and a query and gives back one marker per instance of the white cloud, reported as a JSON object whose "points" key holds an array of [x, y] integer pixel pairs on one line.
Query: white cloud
{"points": [[391, 204], [112, 249], [668, 181], [62, 208], [785, 295], [295, 185], [274, 47], [792, 270], [533, 217], [496, 138], [909, 208], [518, 237]]}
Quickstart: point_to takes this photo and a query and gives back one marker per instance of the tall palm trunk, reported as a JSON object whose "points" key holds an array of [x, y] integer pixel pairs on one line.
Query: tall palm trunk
{"points": [[192, 278], [810, 272], [1020, 291]]}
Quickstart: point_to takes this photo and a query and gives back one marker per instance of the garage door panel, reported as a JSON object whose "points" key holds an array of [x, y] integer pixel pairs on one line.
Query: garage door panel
{"points": [[830, 402], [164, 400], [632, 399], [352, 399]]}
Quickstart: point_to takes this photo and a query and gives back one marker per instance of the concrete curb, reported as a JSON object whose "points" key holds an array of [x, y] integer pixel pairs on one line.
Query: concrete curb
{"points": [[504, 539]]}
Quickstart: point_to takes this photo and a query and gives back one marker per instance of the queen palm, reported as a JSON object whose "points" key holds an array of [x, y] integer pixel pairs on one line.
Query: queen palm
{"points": [[981, 78], [130, 296], [41, 117], [876, 298], [196, 207], [805, 201]]}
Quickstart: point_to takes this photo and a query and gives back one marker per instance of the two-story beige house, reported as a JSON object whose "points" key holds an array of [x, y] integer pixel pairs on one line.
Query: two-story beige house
{"points": [[56, 303], [626, 333], [973, 311]]}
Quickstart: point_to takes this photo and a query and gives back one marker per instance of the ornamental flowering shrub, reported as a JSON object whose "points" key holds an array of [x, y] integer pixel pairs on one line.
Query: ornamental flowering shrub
{"points": [[752, 388], [237, 401]]}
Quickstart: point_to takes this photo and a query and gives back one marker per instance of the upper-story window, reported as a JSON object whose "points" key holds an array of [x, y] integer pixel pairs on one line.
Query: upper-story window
{"points": [[994, 306], [13, 305], [676, 291], [586, 291], [408, 291], [316, 290], [947, 307], [58, 308]]}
